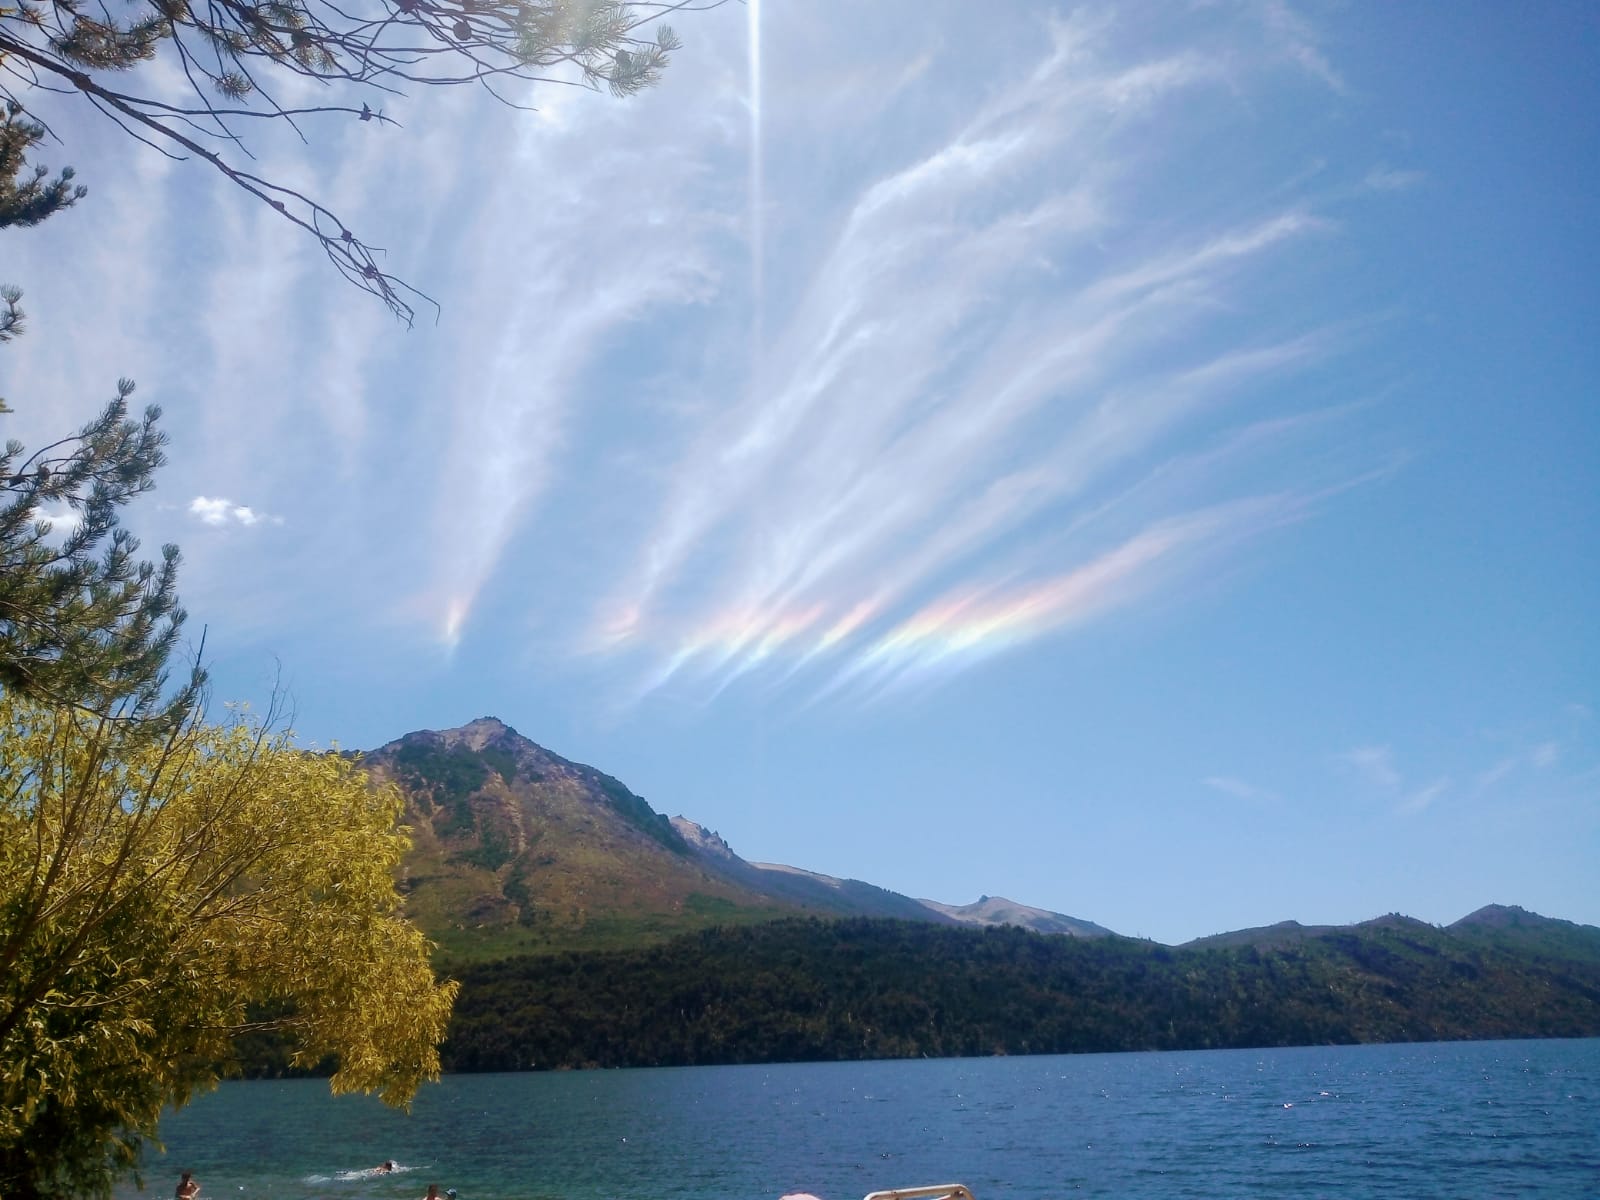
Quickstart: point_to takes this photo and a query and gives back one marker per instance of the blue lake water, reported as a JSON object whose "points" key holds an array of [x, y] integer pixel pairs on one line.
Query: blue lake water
{"points": [[1485, 1119]]}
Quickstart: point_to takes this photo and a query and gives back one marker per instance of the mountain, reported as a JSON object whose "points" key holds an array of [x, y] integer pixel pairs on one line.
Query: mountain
{"points": [[1504, 926], [586, 929], [997, 910], [518, 850]]}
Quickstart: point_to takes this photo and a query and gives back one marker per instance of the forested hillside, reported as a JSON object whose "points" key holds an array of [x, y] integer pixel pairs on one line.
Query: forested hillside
{"points": [[807, 989]]}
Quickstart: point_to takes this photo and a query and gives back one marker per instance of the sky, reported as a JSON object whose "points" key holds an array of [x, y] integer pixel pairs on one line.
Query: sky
{"points": [[1137, 460]]}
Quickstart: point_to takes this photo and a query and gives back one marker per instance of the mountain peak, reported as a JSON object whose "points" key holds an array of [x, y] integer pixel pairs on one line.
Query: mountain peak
{"points": [[478, 733], [1505, 916], [1394, 920], [488, 735], [703, 840]]}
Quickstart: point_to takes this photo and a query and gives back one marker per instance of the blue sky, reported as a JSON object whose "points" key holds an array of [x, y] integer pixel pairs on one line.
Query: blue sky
{"points": [[1136, 460]]}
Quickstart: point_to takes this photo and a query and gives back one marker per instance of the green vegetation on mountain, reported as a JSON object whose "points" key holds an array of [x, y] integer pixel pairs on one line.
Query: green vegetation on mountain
{"points": [[520, 851], [517, 850], [810, 989]]}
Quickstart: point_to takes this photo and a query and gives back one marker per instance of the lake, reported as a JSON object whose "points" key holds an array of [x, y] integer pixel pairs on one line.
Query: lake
{"points": [[1489, 1119]]}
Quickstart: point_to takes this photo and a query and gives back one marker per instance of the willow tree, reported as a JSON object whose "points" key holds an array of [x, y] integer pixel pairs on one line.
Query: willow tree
{"points": [[235, 56], [158, 898]]}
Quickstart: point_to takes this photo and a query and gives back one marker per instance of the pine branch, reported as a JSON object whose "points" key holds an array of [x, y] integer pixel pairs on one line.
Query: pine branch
{"points": [[593, 44]]}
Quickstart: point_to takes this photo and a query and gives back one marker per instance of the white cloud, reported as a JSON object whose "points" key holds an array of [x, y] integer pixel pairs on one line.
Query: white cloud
{"points": [[1000, 380], [62, 520], [1375, 764], [1393, 179], [964, 378], [1416, 801], [1298, 40], [216, 511], [1230, 785], [1494, 774]]}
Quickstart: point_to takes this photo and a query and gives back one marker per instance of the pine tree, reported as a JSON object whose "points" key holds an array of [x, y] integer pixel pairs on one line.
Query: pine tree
{"points": [[28, 199], [232, 51], [84, 622]]}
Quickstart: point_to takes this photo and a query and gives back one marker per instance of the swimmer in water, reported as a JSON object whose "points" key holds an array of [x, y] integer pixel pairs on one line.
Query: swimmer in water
{"points": [[188, 1187], [388, 1165], [433, 1192]]}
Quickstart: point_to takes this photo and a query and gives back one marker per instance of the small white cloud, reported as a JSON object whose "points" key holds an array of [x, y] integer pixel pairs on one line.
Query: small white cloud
{"points": [[218, 511], [1392, 179], [1423, 797], [1545, 754], [1495, 774], [1297, 40], [1238, 788], [62, 520], [1376, 763]]}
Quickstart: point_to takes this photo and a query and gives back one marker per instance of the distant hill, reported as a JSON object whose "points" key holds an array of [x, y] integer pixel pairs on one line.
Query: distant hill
{"points": [[1494, 924], [1543, 938], [1265, 937], [1292, 933], [518, 850], [810, 990]]}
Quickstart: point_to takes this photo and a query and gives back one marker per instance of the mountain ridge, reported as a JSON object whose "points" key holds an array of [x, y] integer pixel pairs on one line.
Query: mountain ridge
{"points": [[587, 930], [518, 849], [826, 990]]}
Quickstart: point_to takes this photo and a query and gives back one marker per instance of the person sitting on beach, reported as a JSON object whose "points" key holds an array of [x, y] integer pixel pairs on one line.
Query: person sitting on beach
{"points": [[188, 1187]]}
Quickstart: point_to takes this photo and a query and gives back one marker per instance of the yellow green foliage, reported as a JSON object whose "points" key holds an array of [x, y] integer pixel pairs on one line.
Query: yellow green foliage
{"points": [[158, 897]]}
